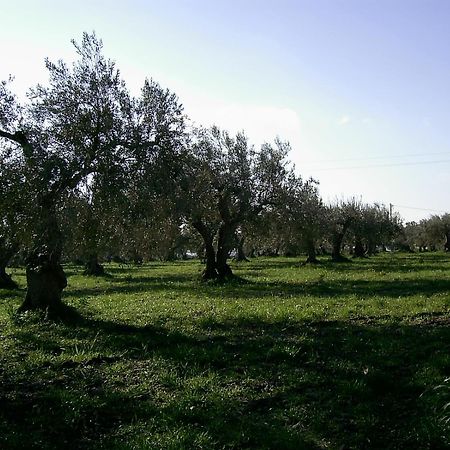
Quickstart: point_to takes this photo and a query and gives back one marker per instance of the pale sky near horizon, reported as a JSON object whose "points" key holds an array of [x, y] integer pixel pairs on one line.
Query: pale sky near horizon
{"points": [[361, 89]]}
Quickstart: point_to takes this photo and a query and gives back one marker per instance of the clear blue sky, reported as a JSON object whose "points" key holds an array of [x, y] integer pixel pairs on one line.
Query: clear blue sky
{"points": [[350, 84]]}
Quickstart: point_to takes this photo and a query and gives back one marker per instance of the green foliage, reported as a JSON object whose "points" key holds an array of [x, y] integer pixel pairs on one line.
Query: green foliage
{"points": [[112, 176], [228, 185], [429, 234], [284, 356]]}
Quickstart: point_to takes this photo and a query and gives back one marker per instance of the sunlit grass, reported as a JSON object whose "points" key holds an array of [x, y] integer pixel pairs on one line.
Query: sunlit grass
{"points": [[285, 356]]}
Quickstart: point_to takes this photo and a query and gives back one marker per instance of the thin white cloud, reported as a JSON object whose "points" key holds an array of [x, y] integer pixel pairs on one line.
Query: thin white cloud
{"points": [[260, 123], [344, 120]]}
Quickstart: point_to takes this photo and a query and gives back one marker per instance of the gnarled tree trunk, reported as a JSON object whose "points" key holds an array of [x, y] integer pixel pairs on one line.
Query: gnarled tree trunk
{"points": [[45, 275], [92, 266], [359, 248], [371, 248], [226, 234], [240, 256], [337, 239], [91, 227], [45, 283], [216, 261], [336, 254], [6, 282], [6, 253], [210, 271], [311, 250]]}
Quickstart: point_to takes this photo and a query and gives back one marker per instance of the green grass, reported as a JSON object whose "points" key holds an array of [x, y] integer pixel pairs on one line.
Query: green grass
{"points": [[345, 356]]}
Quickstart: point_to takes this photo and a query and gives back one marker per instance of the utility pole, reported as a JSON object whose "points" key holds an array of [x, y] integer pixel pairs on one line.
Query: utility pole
{"points": [[390, 210]]}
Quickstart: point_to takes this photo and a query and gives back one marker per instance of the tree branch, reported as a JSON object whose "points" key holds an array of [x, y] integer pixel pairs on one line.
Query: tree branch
{"points": [[19, 138]]}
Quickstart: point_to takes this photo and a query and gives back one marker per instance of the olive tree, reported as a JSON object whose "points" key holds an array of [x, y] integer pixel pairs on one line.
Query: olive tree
{"points": [[14, 206], [152, 217], [341, 217], [65, 133], [437, 231], [227, 184], [303, 215], [373, 227]]}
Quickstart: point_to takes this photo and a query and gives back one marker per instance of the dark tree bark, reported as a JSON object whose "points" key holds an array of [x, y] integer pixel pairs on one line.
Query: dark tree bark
{"points": [[336, 255], [45, 275], [45, 283], [311, 250], [92, 266], [359, 248], [226, 234], [6, 253], [323, 250], [210, 271], [371, 248], [216, 261], [240, 256], [337, 239], [447, 242], [6, 282]]}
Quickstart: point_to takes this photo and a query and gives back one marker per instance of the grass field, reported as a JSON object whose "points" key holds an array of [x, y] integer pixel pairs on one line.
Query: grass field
{"points": [[344, 356]]}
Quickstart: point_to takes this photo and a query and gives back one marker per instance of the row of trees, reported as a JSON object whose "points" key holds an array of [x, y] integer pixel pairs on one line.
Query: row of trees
{"points": [[427, 235], [88, 171]]}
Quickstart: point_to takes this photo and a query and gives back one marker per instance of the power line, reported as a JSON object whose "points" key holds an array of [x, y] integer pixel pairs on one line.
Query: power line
{"points": [[410, 155], [420, 209], [416, 163]]}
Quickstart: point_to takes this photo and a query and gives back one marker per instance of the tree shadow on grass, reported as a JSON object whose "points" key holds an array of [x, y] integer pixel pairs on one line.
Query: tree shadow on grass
{"points": [[8, 294], [362, 288], [397, 264], [133, 284], [379, 263], [234, 383], [249, 289], [327, 284]]}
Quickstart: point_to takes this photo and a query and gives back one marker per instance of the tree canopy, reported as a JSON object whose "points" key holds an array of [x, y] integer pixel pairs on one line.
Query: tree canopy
{"points": [[90, 173]]}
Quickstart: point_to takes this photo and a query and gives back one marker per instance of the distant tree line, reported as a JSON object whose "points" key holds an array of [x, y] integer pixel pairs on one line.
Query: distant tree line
{"points": [[427, 235], [89, 173]]}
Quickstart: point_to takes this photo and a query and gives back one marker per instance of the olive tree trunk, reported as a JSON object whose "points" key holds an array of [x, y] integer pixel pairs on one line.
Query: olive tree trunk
{"points": [[371, 248], [91, 227], [6, 282], [45, 282], [336, 254], [359, 248], [311, 250], [241, 256], [337, 240], [210, 271], [45, 276], [6, 253], [216, 261], [225, 243], [92, 266]]}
